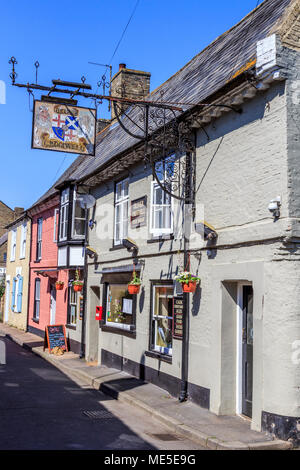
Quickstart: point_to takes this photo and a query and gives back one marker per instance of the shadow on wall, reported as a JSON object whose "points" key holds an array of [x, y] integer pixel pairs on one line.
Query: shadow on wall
{"points": [[196, 302]]}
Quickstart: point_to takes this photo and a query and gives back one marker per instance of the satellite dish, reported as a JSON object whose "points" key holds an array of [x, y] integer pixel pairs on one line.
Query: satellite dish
{"points": [[87, 201]]}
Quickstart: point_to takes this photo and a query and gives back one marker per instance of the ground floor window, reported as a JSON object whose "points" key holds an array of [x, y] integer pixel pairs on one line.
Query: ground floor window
{"points": [[119, 306], [73, 306], [162, 318], [37, 296]]}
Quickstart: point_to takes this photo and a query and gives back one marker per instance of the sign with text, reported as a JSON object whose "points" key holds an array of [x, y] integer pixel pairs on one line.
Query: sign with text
{"points": [[55, 336], [138, 212], [178, 312], [63, 128]]}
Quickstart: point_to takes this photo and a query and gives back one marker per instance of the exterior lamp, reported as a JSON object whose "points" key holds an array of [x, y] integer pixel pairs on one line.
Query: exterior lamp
{"points": [[274, 207]]}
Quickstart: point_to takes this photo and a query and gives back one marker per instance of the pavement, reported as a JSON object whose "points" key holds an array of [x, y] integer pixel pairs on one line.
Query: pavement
{"points": [[184, 419]]}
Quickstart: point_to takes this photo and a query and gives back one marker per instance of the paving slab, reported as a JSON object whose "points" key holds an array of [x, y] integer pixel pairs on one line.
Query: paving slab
{"points": [[186, 419]]}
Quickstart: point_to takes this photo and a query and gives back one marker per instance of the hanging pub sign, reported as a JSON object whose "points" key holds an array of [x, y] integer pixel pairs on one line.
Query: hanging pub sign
{"points": [[63, 128], [178, 312], [138, 212]]}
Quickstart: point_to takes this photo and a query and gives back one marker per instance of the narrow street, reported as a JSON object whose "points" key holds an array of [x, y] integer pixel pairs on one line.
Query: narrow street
{"points": [[41, 408]]}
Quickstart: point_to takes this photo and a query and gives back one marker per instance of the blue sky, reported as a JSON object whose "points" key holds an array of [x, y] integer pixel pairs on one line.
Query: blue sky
{"points": [[162, 36]]}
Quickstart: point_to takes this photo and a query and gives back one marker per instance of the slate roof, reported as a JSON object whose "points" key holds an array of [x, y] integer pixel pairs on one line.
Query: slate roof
{"points": [[203, 76], [4, 238]]}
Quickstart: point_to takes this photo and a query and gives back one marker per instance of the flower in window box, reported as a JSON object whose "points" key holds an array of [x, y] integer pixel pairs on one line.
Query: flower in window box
{"points": [[188, 281], [59, 285], [134, 285]]}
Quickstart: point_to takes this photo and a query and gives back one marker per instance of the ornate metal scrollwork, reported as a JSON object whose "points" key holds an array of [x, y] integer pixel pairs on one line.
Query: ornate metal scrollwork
{"points": [[167, 140]]}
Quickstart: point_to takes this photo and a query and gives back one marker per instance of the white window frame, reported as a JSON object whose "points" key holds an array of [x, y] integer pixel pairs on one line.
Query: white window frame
{"points": [[64, 214], [23, 240], [39, 238], [121, 202], [37, 281], [55, 224], [73, 304], [160, 349], [153, 207], [13, 245], [78, 237]]}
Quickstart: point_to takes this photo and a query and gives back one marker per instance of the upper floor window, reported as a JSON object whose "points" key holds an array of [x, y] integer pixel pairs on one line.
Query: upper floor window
{"points": [[64, 213], [39, 238], [13, 245], [23, 240], [55, 225], [161, 215], [78, 219], [121, 211]]}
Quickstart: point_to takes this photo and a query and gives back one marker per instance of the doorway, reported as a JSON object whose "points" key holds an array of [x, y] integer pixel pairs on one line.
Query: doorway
{"points": [[52, 304], [245, 349]]}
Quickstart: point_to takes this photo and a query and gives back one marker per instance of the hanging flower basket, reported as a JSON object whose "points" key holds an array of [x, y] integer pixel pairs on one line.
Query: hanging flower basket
{"points": [[134, 285], [133, 289], [59, 285], [190, 287], [188, 281], [77, 286]]}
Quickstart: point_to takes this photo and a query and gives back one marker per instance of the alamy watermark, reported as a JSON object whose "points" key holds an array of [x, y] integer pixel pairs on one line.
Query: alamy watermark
{"points": [[2, 92]]}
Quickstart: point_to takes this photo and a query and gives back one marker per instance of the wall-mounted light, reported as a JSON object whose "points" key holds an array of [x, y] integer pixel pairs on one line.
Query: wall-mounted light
{"points": [[274, 207]]}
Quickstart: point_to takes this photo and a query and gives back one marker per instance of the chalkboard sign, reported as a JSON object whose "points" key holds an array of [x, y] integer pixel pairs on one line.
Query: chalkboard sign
{"points": [[178, 312], [55, 336]]}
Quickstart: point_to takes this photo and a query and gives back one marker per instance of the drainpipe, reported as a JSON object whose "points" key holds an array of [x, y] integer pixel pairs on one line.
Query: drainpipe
{"points": [[85, 268], [189, 198]]}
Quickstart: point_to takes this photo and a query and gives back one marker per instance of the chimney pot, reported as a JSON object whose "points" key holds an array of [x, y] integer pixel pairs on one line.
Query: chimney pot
{"points": [[122, 66]]}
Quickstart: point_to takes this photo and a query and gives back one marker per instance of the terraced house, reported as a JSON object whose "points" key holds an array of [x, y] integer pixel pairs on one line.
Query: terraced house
{"points": [[215, 191], [17, 272], [235, 355]]}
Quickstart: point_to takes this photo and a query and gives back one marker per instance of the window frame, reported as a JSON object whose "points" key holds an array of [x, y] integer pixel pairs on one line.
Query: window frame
{"points": [[64, 210], [39, 238], [73, 236], [156, 232], [36, 317], [167, 352], [13, 247], [23, 240], [56, 225], [123, 328], [70, 304], [121, 202]]}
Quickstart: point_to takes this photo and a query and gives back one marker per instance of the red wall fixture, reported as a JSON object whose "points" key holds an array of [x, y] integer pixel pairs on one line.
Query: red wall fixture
{"points": [[99, 313]]}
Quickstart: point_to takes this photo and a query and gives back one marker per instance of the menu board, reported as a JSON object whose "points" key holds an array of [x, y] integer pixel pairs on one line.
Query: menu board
{"points": [[55, 337], [178, 312]]}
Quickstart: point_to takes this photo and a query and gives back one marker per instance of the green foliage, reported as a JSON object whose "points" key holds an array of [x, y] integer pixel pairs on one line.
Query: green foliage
{"points": [[185, 277], [136, 281], [2, 288]]}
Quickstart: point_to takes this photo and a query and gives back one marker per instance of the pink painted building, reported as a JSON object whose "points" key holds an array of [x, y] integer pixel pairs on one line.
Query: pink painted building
{"points": [[57, 238], [46, 304]]}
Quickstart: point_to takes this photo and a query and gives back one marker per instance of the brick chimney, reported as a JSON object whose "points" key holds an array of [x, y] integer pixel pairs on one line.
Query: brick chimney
{"points": [[101, 124], [18, 212], [127, 83]]}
